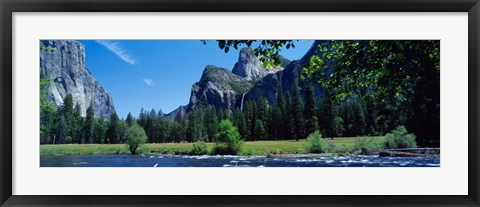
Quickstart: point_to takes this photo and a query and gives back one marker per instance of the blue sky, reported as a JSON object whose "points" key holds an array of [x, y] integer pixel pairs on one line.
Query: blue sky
{"points": [[158, 74]]}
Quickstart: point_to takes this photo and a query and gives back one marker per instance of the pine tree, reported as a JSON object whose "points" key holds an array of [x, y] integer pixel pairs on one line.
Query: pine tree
{"points": [[89, 123], [47, 125], [370, 115], [311, 120], [129, 119], [211, 122], [181, 132], [142, 118], [239, 122], [62, 131], [161, 129], [226, 114], [122, 128], [262, 109], [250, 117], [338, 126], [191, 126], [288, 118], [67, 107], [201, 126], [220, 114], [328, 112], [283, 120], [254, 116], [66, 110], [274, 120], [381, 124], [99, 131], [195, 128], [296, 107], [76, 123], [349, 118], [259, 130], [180, 115], [352, 113], [47, 112], [281, 100], [360, 123], [113, 132], [151, 127]]}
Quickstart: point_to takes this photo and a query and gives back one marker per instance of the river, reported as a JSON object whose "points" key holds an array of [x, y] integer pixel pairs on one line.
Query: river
{"points": [[232, 161]]}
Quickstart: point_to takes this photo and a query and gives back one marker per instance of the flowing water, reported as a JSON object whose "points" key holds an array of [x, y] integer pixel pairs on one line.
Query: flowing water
{"points": [[232, 161], [241, 102]]}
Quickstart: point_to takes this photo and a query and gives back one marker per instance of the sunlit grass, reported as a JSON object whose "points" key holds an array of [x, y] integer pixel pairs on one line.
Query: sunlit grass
{"points": [[249, 148]]}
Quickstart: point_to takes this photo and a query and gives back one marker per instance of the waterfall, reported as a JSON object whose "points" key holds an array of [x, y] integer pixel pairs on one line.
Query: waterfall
{"points": [[241, 103]]}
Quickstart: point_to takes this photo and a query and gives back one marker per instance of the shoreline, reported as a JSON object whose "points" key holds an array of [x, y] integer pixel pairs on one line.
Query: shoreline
{"points": [[340, 145], [279, 149], [277, 156]]}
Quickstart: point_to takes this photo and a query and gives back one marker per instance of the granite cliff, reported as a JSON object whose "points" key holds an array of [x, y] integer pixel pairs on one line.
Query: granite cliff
{"points": [[249, 66], [63, 63], [225, 89], [248, 80]]}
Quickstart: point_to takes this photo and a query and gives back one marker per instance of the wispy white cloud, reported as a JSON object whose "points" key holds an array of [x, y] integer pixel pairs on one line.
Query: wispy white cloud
{"points": [[149, 82], [117, 50]]}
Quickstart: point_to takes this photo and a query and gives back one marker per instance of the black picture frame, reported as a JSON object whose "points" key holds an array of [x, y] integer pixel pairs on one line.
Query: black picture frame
{"points": [[7, 8]]}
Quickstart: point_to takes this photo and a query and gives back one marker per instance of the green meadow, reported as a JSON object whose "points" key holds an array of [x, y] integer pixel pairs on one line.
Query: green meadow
{"points": [[340, 146]]}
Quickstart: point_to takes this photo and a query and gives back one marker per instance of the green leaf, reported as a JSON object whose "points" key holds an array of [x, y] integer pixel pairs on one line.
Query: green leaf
{"points": [[267, 64], [221, 44]]}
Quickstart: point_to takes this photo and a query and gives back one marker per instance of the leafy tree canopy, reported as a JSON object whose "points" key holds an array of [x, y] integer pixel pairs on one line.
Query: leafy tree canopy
{"points": [[388, 68], [134, 137], [227, 139], [267, 50]]}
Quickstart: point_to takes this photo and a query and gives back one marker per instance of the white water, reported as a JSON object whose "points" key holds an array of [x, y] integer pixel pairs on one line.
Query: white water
{"points": [[241, 103], [232, 161]]}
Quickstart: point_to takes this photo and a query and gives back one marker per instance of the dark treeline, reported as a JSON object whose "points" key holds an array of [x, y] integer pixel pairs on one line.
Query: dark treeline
{"points": [[292, 117], [65, 125]]}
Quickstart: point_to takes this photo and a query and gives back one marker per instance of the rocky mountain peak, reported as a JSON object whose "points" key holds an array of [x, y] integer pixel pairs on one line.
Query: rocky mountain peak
{"points": [[218, 87], [249, 80], [249, 66], [269, 85]]}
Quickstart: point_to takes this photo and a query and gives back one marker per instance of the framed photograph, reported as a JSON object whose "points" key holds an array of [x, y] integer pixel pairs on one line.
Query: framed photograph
{"points": [[201, 103]]}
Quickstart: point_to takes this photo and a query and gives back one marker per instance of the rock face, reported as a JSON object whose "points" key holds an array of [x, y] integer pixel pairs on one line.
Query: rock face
{"points": [[249, 66], [269, 86], [248, 80], [63, 62], [218, 87], [224, 89]]}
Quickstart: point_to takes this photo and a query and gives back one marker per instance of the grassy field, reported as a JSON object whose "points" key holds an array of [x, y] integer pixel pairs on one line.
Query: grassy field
{"points": [[338, 145]]}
